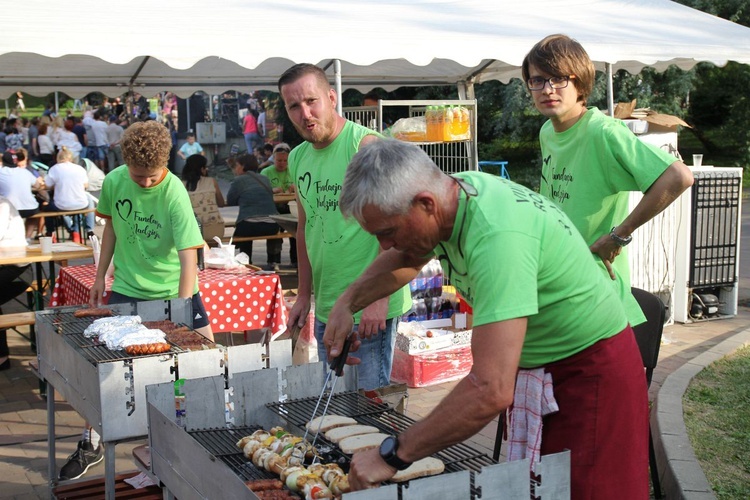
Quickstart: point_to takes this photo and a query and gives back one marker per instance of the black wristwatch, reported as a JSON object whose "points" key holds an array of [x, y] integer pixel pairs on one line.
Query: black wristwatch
{"points": [[388, 452], [619, 239]]}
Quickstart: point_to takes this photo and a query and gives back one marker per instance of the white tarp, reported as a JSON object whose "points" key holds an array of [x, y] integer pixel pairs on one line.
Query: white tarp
{"points": [[190, 45]]}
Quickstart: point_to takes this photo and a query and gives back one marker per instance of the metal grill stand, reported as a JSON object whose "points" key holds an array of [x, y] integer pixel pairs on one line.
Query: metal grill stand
{"points": [[202, 461], [108, 387]]}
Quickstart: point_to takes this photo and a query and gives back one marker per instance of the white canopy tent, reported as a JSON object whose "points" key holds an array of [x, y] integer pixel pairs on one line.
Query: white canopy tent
{"points": [[245, 45]]}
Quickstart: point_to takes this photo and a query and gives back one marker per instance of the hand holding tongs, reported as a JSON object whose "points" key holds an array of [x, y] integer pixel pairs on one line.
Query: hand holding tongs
{"points": [[336, 369]]}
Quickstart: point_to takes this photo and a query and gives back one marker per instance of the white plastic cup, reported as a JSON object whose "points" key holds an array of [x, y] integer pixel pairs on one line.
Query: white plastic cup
{"points": [[697, 160], [228, 250], [45, 243]]}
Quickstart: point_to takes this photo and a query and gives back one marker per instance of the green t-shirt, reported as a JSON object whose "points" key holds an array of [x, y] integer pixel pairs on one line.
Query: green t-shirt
{"points": [[278, 179], [514, 254], [151, 225], [588, 171], [339, 249]]}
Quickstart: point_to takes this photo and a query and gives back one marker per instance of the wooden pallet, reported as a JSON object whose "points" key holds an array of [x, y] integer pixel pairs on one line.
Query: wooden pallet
{"points": [[94, 489]]}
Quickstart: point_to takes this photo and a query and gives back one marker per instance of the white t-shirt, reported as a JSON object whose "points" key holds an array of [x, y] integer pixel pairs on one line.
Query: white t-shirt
{"points": [[12, 230], [69, 182], [16, 184]]}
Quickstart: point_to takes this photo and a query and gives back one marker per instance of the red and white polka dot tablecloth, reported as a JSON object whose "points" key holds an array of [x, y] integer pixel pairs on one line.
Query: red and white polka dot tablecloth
{"points": [[234, 301]]}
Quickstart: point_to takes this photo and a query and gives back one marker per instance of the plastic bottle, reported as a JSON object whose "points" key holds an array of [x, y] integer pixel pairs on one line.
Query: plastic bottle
{"points": [[412, 314], [179, 403], [437, 279], [447, 123], [422, 280], [430, 121], [421, 310]]}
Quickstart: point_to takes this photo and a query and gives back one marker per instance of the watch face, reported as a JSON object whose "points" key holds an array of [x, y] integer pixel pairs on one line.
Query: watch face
{"points": [[388, 447]]}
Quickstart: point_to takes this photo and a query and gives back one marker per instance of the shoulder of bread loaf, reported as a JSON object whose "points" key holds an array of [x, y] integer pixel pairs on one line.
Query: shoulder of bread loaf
{"points": [[429, 466], [338, 433], [353, 444], [327, 422]]}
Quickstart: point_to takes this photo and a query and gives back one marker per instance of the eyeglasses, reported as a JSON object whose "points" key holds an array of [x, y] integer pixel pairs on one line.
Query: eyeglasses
{"points": [[470, 191], [555, 82]]}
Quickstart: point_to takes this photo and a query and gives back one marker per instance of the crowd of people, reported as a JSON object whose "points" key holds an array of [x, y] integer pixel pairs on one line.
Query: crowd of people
{"points": [[546, 273]]}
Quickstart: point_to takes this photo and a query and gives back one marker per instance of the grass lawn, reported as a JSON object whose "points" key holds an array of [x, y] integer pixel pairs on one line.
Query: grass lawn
{"points": [[717, 417]]}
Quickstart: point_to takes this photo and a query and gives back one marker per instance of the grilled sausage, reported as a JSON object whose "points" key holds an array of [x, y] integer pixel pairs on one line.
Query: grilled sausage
{"points": [[264, 484], [92, 312], [156, 348]]}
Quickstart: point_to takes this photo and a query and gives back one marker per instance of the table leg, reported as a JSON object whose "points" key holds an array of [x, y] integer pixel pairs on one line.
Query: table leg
{"points": [[109, 470], [51, 465]]}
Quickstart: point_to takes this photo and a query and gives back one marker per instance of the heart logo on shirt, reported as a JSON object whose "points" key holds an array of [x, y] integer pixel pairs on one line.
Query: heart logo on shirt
{"points": [[304, 184], [124, 209]]}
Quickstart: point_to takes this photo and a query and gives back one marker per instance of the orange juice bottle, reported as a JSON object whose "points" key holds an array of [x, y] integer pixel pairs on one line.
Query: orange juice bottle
{"points": [[439, 120], [456, 125], [429, 117], [447, 115], [465, 120]]}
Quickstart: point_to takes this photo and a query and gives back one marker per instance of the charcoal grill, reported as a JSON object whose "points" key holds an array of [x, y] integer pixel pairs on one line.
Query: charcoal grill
{"points": [[108, 387], [201, 460]]}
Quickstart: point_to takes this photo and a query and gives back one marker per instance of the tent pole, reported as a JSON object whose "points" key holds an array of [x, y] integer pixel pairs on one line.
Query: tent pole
{"points": [[610, 91], [337, 84], [7, 109], [57, 104]]}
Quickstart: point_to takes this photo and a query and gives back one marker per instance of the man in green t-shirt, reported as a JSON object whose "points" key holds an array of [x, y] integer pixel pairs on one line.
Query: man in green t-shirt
{"points": [[591, 161], [541, 308], [331, 251], [281, 182]]}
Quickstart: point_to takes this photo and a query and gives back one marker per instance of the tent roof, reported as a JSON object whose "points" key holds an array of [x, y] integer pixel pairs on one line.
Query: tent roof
{"points": [[246, 44]]}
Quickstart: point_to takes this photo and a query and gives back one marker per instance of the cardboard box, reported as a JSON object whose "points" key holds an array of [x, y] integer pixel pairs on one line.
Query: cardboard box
{"points": [[659, 130], [412, 337], [657, 122], [433, 367]]}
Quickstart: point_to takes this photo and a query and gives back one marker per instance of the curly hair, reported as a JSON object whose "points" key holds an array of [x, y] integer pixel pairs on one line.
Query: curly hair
{"points": [[146, 145]]}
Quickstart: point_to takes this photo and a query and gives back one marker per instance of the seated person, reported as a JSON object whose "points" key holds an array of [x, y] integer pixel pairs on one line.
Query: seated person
{"points": [[12, 234], [205, 196], [253, 194], [69, 181], [18, 186]]}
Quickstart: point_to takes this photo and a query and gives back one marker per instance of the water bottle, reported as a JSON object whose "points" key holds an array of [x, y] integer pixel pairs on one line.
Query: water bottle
{"points": [[434, 312], [412, 314]]}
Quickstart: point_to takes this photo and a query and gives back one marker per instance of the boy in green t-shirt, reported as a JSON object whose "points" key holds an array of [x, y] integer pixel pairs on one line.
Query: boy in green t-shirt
{"points": [[152, 236]]}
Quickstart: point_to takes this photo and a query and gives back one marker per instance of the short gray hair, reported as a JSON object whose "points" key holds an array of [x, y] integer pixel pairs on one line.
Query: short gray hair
{"points": [[389, 173]]}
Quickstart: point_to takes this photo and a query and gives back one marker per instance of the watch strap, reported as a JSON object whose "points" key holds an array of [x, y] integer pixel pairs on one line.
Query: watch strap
{"points": [[619, 240], [389, 453]]}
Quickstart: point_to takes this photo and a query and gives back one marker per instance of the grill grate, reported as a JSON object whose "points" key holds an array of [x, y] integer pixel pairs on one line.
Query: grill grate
{"points": [[350, 404], [458, 457], [222, 443], [65, 323]]}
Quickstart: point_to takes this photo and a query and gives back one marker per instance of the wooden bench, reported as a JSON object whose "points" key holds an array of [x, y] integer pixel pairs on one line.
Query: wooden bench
{"points": [[14, 320], [241, 239], [78, 214]]}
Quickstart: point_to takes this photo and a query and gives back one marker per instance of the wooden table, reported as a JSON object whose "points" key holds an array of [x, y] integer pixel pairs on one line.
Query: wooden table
{"points": [[32, 254], [236, 301], [284, 197]]}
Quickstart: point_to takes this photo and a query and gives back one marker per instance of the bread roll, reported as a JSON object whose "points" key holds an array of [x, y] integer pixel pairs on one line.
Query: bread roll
{"points": [[353, 444], [426, 467], [328, 422], [338, 433]]}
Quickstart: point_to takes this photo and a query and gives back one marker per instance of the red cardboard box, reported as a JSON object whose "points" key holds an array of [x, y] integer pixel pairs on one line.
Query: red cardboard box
{"points": [[431, 367]]}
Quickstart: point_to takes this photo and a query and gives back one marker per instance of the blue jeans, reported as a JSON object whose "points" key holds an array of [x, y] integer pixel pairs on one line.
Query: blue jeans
{"points": [[252, 140], [376, 354]]}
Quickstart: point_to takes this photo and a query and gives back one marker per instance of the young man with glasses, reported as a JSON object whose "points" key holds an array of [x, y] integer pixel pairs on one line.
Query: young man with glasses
{"points": [[542, 312], [592, 161]]}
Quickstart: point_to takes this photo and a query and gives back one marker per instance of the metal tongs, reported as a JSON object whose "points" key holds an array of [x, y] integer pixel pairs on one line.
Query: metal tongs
{"points": [[336, 369]]}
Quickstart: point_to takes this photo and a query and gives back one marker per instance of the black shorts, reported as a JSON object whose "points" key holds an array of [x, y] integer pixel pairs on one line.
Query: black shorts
{"points": [[200, 317]]}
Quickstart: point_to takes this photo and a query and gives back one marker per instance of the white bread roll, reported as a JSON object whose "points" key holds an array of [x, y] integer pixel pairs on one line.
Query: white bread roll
{"points": [[338, 433]]}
